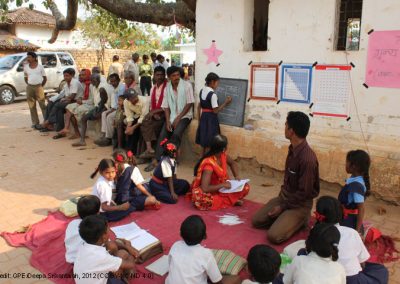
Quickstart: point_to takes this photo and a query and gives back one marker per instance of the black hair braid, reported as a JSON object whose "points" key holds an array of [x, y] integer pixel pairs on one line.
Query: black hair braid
{"points": [[367, 184], [335, 252]]}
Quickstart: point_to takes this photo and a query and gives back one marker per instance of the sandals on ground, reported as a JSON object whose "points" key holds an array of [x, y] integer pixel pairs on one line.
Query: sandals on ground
{"points": [[58, 136]]}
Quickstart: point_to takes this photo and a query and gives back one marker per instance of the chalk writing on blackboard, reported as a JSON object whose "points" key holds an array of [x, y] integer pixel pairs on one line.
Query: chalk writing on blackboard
{"points": [[233, 114]]}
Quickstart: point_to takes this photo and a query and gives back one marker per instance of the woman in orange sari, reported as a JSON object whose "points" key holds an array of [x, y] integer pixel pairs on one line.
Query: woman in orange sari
{"points": [[212, 175]]}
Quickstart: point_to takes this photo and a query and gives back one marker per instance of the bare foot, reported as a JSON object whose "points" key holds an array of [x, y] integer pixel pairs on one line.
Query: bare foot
{"points": [[63, 132], [79, 144], [239, 203], [75, 136]]}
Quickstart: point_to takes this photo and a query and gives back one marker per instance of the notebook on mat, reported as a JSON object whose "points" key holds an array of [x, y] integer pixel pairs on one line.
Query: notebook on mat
{"points": [[141, 240], [236, 186], [160, 266]]}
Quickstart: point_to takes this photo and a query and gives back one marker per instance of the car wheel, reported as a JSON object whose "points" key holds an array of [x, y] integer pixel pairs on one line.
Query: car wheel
{"points": [[61, 86], [7, 95]]}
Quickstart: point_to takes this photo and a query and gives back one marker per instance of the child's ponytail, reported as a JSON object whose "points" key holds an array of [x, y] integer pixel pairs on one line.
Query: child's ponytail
{"points": [[103, 165], [367, 184], [94, 173], [323, 240], [361, 161], [335, 252]]}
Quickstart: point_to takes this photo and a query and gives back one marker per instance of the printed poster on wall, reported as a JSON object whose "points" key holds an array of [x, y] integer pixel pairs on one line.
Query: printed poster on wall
{"points": [[332, 90], [383, 59], [296, 83], [264, 81]]}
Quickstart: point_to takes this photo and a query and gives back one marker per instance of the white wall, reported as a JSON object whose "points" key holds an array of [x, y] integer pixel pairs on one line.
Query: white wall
{"points": [[304, 32], [40, 35]]}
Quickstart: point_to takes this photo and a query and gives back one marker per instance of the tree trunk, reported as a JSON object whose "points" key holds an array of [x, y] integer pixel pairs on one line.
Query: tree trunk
{"points": [[165, 14], [183, 13]]}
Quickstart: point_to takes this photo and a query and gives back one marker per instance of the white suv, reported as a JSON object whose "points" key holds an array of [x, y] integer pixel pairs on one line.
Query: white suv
{"points": [[12, 82]]}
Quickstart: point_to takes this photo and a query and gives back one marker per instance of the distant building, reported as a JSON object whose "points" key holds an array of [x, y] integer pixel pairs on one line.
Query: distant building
{"points": [[31, 29]]}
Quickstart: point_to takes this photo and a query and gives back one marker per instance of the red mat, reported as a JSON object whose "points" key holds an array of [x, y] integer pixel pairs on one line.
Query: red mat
{"points": [[46, 238]]}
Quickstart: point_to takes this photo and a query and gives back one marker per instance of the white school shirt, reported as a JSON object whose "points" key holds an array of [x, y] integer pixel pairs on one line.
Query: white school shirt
{"points": [[191, 265], [247, 281], [214, 98], [312, 269], [352, 250], [72, 240], [94, 262], [74, 87], [103, 190], [136, 176], [35, 76], [166, 167]]}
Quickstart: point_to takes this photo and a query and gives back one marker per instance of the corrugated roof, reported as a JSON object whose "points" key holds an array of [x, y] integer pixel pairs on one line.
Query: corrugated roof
{"points": [[30, 17], [9, 41]]}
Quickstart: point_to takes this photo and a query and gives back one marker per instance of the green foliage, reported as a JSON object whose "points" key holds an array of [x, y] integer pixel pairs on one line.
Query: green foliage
{"points": [[110, 31]]}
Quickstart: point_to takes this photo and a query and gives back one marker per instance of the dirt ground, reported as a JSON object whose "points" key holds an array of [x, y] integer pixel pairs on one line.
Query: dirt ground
{"points": [[38, 173]]}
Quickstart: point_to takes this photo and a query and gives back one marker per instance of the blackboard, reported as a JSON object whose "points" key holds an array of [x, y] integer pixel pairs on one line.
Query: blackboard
{"points": [[233, 114]]}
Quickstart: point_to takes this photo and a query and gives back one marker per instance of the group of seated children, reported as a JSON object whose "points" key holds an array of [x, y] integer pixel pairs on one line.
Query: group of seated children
{"points": [[122, 189], [333, 252]]}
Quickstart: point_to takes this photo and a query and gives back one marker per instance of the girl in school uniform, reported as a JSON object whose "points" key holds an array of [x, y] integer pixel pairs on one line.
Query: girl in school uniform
{"points": [[320, 265], [208, 109], [164, 183], [131, 186], [357, 188], [103, 189], [352, 252]]}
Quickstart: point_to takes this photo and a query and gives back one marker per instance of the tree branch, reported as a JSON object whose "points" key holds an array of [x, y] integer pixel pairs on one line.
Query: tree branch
{"points": [[159, 14], [63, 23], [191, 5]]}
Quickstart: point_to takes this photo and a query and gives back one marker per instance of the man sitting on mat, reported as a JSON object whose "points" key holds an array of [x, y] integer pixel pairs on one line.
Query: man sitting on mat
{"points": [[290, 211]]}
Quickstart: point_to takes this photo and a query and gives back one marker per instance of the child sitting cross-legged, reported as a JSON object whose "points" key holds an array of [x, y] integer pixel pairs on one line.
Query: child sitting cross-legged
{"points": [[87, 205], [263, 264], [164, 183], [189, 261], [94, 261], [103, 189], [131, 186]]}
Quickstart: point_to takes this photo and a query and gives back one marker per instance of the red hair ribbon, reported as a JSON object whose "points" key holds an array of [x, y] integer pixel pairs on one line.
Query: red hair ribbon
{"points": [[163, 142], [129, 154], [319, 217], [171, 147], [119, 158]]}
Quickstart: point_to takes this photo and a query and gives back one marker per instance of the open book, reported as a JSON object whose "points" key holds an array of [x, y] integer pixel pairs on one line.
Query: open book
{"points": [[145, 243], [236, 186]]}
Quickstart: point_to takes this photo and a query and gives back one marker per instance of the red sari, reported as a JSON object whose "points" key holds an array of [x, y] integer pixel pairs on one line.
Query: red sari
{"points": [[214, 200]]}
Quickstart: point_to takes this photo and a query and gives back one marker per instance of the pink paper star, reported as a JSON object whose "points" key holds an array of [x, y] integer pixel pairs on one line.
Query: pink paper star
{"points": [[212, 53]]}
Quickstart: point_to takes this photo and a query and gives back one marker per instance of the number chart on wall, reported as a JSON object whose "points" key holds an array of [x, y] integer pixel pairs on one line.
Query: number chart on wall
{"points": [[264, 81], [296, 83], [331, 90]]}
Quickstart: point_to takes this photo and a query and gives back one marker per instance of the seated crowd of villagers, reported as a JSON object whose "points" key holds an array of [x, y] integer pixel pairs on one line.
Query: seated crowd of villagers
{"points": [[141, 129]]}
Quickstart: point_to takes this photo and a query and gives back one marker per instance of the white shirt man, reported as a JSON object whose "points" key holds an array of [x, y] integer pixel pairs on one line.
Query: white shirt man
{"points": [[35, 76], [131, 66]]}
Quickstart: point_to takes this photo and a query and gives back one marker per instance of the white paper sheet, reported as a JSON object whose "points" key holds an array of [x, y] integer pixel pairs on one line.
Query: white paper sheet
{"points": [[230, 219], [264, 84], [236, 186], [138, 237], [126, 232], [160, 266]]}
